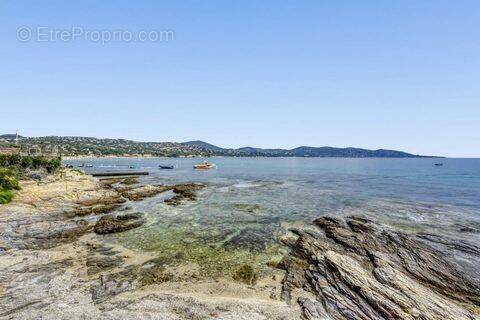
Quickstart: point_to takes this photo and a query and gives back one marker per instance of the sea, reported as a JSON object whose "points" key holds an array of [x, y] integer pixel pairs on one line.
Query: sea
{"points": [[250, 204]]}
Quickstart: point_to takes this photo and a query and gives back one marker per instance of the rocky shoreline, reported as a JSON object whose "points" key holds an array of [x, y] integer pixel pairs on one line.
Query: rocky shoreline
{"points": [[357, 269], [56, 264]]}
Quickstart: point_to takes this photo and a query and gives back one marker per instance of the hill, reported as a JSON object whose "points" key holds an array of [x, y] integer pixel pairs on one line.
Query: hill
{"points": [[9, 136], [73, 146], [304, 151], [204, 145]]}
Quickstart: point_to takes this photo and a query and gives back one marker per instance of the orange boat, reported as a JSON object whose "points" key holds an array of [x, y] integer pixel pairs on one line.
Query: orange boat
{"points": [[204, 165]]}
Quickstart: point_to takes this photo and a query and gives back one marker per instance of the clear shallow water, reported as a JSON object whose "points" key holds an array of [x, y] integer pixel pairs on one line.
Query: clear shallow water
{"points": [[249, 202]]}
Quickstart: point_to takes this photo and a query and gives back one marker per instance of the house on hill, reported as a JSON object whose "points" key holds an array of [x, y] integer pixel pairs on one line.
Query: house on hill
{"points": [[9, 150]]}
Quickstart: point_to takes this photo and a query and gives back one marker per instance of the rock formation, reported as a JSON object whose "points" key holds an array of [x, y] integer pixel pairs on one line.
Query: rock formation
{"points": [[141, 192], [59, 209], [120, 223], [54, 266], [187, 191], [357, 269]]}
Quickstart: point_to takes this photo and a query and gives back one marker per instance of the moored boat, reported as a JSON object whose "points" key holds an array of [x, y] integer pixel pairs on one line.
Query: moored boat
{"points": [[204, 165], [166, 167]]}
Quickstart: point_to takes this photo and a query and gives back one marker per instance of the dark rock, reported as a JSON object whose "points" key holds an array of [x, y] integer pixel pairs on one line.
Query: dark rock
{"points": [[142, 192], [104, 208], [110, 224], [250, 239], [469, 227], [183, 192], [130, 181]]}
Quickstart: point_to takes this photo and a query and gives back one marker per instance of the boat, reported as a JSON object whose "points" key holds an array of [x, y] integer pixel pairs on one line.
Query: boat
{"points": [[166, 167], [89, 166], [439, 164], [204, 165]]}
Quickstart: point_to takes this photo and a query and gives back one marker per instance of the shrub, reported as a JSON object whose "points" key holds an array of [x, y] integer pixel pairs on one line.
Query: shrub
{"points": [[7, 179], [5, 196], [29, 162], [7, 184], [14, 166], [53, 165]]}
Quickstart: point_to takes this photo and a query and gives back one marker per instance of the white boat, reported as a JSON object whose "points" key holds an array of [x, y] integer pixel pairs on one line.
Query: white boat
{"points": [[204, 165]]}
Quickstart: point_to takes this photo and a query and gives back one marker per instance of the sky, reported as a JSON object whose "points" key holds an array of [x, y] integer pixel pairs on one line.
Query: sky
{"points": [[401, 75]]}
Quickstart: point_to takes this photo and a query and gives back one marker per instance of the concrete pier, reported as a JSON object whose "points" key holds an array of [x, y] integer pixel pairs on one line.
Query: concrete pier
{"points": [[118, 173]]}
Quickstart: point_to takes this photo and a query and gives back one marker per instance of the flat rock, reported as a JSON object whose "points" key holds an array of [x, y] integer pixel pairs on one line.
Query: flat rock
{"points": [[142, 192]]}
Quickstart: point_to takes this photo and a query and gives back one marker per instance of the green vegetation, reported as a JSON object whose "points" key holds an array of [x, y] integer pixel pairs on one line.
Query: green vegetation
{"points": [[245, 274], [8, 182], [5, 196], [14, 167], [23, 163], [74, 146]]}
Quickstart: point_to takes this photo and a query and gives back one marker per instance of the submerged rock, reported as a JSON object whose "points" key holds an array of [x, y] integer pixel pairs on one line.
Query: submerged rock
{"points": [[130, 278], [249, 239], [110, 224], [142, 192], [250, 208], [358, 269], [187, 191], [130, 181], [245, 274]]}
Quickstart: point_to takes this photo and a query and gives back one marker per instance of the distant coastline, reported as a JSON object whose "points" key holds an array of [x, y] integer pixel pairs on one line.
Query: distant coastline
{"points": [[93, 147]]}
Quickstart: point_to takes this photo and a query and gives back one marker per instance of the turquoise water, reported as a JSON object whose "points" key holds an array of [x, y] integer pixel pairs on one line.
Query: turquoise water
{"points": [[257, 199]]}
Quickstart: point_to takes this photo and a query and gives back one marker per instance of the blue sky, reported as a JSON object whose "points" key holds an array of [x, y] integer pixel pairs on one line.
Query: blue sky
{"points": [[375, 74]]}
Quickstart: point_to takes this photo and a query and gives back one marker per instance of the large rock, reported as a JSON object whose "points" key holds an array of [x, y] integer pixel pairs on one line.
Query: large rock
{"points": [[187, 191], [111, 224], [357, 269]]}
